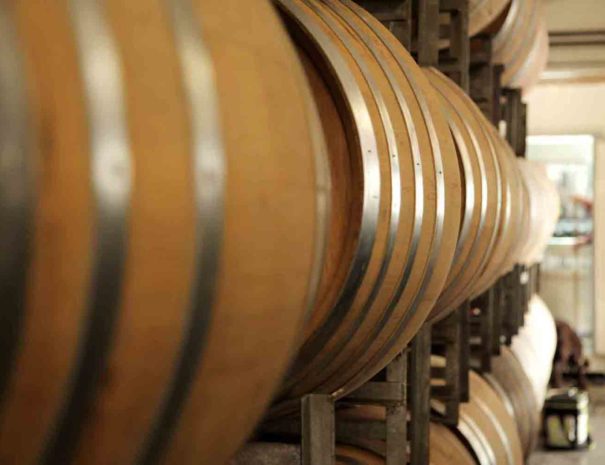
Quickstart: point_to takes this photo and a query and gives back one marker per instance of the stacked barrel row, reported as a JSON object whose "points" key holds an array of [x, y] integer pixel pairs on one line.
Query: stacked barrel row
{"points": [[500, 424], [188, 202], [520, 37], [430, 206]]}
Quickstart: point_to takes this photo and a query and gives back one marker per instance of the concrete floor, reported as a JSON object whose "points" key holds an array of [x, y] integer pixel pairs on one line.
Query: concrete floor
{"points": [[596, 454]]}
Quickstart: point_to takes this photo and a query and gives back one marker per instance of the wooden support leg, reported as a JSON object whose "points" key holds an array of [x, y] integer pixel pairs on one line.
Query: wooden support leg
{"points": [[465, 351], [487, 328], [396, 420], [497, 318], [419, 395], [318, 435]]}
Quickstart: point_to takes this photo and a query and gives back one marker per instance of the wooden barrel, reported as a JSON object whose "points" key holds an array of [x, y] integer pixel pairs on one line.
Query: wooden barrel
{"points": [[504, 254], [165, 226], [488, 428], [445, 445], [521, 44], [496, 217], [267, 453], [535, 347], [446, 448], [396, 197], [513, 385], [481, 212], [482, 13], [349, 455], [544, 209]]}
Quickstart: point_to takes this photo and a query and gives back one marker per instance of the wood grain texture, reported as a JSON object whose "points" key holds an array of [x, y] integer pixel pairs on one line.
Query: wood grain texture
{"points": [[376, 105], [268, 259], [521, 44]]}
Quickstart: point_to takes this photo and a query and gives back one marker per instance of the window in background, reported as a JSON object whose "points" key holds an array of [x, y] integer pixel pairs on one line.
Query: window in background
{"points": [[567, 283]]}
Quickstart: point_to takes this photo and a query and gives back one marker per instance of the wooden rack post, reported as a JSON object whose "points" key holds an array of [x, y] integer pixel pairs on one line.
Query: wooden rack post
{"points": [[482, 330], [454, 61], [437, 21], [450, 339], [485, 77], [388, 438], [396, 15], [515, 117]]}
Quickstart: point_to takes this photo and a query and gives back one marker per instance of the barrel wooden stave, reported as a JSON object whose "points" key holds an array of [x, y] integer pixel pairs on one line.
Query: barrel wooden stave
{"points": [[353, 55], [488, 427], [482, 13], [521, 44], [513, 385], [474, 255], [446, 448], [535, 347], [269, 231]]}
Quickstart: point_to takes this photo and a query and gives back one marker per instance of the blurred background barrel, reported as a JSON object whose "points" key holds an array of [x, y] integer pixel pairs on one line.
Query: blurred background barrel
{"points": [[512, 383], [487, 426], [535, 347], [521, 43], [483, 13]]}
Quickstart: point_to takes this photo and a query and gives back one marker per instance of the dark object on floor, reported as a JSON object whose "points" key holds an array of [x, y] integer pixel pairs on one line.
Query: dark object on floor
{"points": [[596, 378], [566, 419], [569, 358]]}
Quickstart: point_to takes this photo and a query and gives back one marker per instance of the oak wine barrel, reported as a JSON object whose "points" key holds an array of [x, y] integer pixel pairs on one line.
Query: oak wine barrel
{"points": [[508, 378], [521, 44], [166, 222], [396, 197], [535, 347], [482, 13], [481, 212], [488, 427], [446, 448]]}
